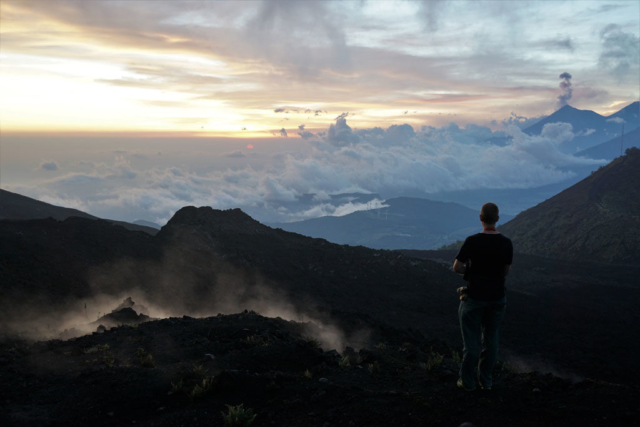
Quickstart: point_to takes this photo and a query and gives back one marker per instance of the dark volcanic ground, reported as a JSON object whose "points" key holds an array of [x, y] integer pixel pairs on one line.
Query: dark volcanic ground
{"points": [[183, 371], [577, 320]]}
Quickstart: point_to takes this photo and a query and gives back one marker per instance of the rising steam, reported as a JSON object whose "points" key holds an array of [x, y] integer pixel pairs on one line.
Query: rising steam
{"points": [[171, 287]]}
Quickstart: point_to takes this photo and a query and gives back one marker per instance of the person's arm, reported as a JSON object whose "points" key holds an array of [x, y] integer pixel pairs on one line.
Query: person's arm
{"points": [[459, 267], [509, 258], [461, 259], [507, 268]]}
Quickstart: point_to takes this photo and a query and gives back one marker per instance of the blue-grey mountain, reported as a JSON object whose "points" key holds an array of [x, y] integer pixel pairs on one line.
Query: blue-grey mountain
{"points": [[405, 223]]}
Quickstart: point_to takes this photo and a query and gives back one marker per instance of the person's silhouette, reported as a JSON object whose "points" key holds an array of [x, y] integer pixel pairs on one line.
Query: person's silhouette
{"points": [[484, 259]]}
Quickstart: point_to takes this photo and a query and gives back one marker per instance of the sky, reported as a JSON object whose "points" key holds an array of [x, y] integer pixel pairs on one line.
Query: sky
{"points": [[133, 109]]}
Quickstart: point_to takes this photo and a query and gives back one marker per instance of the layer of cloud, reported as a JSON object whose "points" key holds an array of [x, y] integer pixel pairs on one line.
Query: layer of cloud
{"points": [[235, 154], [395, 160]]}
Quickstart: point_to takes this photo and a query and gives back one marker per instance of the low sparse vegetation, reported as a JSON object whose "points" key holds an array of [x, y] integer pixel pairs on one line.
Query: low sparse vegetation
{"points": [[256, 340], [199, 369], [434, 360], [202, 388], [508, 367], [237, 416], [105, 355], [148, 362], [381, 346], [313, 343], [252, 339], [373, 367], [456, 357], [177, 386], [146, 359], [307, 374], [344, 362]]}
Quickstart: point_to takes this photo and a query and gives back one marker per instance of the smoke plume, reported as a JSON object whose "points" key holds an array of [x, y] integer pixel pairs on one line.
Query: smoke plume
{"points": [[565, 89]]}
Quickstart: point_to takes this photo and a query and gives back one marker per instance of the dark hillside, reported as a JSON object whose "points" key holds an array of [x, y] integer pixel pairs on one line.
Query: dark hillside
{"points": [[596, 220], [15, 206], [208, 261], [312, 272], [47, 264]]}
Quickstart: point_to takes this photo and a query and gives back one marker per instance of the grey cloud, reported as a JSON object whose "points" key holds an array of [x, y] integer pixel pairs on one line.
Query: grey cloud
{"points": [[471, 134], [430, 12], [48, 166], [301, 127], [620, 53], [235, 154], [560, 42], [283, 132], [400, 132], [618, 120], [340, 134], [306, 135], [521, 122], [287, 110], [278, 28]]}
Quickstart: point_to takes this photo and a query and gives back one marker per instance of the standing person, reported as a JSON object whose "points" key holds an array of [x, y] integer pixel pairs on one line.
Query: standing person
{"points": [[484, 259]]}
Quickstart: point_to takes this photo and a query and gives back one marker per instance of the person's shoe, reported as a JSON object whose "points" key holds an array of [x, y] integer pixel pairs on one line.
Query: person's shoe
{"points": [[481, 386], [463, 387]]}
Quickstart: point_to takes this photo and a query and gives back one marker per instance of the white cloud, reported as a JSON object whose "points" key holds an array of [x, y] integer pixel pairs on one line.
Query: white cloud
{"points": [[558, 132], [382, 161]]}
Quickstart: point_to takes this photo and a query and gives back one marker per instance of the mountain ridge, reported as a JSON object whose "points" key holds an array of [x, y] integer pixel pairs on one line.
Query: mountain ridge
{"points": [[609, 150], [14, 206], [404, 223]]}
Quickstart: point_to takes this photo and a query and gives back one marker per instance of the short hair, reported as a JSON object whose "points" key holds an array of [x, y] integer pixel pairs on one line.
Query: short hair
{"points": [[489, 213]]}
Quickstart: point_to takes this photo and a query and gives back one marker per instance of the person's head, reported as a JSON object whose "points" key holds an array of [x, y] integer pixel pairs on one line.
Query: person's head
{"points": [[489, 214]]}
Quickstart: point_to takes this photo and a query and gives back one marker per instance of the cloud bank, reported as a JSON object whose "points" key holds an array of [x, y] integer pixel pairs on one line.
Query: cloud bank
{"points": [[391, 161]]}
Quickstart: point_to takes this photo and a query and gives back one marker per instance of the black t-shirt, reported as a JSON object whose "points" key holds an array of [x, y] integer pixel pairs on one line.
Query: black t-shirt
{"points": [[489, 253]]}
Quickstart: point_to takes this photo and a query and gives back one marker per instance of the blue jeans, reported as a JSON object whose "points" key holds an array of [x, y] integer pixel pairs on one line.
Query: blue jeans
{"points": [[480, 323]]}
